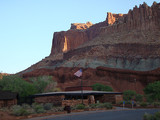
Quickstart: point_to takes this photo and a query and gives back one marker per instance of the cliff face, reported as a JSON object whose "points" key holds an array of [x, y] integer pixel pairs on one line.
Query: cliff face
{"points": [[119, 80], [142, 18], [81, 26], [126, 45]]}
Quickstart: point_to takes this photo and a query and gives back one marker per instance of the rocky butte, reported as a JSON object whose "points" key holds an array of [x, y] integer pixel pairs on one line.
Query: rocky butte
{"points": [[123, 50]]}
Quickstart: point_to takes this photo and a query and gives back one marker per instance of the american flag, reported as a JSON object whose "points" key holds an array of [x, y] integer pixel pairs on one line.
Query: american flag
{"points": [[78, 73]]}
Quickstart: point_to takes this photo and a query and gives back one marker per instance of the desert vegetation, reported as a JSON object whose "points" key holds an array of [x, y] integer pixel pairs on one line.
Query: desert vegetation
{"points": [[101, 87], [151, 97], [25, 88]]}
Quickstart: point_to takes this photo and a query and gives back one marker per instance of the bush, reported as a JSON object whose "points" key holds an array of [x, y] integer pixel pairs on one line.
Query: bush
{"points": [[143, 104], [38, 108], [101, 105], [19, 110], [129, 95], [26, 106], [48, 106], [58, 109], [138, 98], [157, 115], [80, 106], [16, 84], [108, 105], [156, 104], [93, 105], [147, 116], [152, 91], [100, 87]]}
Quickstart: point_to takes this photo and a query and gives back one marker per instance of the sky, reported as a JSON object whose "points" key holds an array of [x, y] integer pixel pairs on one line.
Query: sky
{"points": [[27, 26]]}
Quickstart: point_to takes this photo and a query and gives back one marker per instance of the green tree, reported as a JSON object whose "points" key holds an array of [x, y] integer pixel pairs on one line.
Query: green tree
{"points": [[17, 84], [43, 83], [152, 91], [139, 97], [100, 87], [129, 95]]}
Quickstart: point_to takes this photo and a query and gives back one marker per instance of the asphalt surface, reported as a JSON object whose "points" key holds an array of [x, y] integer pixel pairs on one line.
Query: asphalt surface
{"points": [[102, 115]]}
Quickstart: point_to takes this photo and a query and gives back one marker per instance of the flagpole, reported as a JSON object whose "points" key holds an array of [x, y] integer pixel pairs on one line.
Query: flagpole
{"points": [[79, 74], [81, 90]]}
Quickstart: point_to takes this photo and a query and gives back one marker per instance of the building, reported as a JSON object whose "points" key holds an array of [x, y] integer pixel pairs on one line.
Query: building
{"points": [[75, 97], [8, 98]]}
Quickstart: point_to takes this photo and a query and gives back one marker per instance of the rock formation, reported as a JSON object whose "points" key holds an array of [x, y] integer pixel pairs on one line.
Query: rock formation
{"points": [[120, 80], [142, 18], [126, 45], [81, 26]]}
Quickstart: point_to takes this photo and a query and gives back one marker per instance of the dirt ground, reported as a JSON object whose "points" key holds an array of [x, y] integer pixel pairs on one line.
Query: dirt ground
{"points": [[6, 116]]}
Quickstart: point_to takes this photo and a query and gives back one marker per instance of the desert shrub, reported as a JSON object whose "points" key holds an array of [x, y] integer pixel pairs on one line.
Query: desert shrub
{"points": [[120, 103], [108, 105], [38, 108], [16, 84], [100, 87], [48, 106], [58, 109], [152, 91], [43, 83], [26, 106], [101, 105], [19, 110], [143, 104], [128, 95], [138, 98], [156, 104], [155, 116], [80, 106], [93, 105], [97, 105], [147, 117], [73, 107]]}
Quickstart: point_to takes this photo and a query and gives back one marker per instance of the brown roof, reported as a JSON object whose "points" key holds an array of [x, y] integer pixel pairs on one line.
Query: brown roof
{"points": [[7, 95]]}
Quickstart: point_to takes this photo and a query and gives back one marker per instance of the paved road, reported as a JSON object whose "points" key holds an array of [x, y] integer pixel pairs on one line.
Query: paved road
{"points": [[103, 115]]}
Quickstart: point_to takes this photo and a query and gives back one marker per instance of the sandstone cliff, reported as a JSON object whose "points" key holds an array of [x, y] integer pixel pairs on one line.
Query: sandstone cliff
{"points": [[126, 45], [142, 18], [120, 80], [126, 41]]}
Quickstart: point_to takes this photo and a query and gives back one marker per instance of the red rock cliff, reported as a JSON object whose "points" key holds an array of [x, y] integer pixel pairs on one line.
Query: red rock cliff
{"points": [[119, 79], [142, 18]]}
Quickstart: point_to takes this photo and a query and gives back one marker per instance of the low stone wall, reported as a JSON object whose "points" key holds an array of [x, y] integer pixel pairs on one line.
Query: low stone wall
{"points": [[112, 98], [89, 100], [56, 100], [74, 102], [8, 103]]}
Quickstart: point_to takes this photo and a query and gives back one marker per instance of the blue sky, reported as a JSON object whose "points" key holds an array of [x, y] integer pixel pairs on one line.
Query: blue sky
{"points": [[27, 26]]}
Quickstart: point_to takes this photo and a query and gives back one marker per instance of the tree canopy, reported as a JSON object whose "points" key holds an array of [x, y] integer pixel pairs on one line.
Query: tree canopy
{"points": [[17, 84], [129, 95], [152, 91], [100, 87]]}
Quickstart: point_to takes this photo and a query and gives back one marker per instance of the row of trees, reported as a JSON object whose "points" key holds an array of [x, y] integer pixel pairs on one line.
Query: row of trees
{"points": [[42, 84], [152, 92], [34, 85]]}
